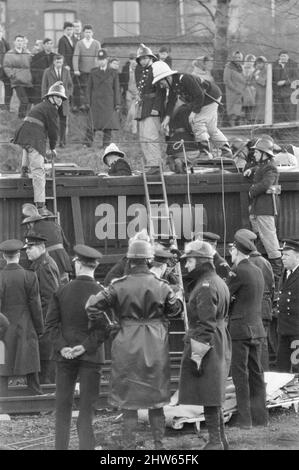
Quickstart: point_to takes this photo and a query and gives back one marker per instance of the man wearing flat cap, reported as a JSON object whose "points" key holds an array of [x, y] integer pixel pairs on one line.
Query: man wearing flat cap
{"points": [[77, 349], [21, 305], [288, 310], [221, 265], [258, 260], [246, 285], [206, 357], [49, 279]]}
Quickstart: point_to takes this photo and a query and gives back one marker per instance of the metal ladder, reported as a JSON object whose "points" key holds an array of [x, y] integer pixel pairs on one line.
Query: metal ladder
{"points": [[158, 181], [53, 197]]}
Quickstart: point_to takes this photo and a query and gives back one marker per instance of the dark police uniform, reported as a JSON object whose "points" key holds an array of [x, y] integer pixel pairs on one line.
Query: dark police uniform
{"points": [[21, 305], [67, 324], [288, 318], [48, 278], [246, 285]]}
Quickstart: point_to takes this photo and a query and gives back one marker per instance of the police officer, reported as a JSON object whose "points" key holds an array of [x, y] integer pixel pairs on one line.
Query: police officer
{"points": [[246, 285], [21, 305], [40, 124], [288, 309], [202, 98], [48, 278], [221, 265], [258, 260], [54, 234], [140, 358], [206, 358], [78, 351]]}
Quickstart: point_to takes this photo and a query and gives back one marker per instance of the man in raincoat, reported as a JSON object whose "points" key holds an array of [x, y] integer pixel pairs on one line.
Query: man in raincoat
{"points": [[140, 358]]}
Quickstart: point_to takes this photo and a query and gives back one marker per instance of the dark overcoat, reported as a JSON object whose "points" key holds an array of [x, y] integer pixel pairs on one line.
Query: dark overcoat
{"points": [[35, 135], [103, 93], [39, 62], [67, 321], [258, 260], [140, 375], [266, 175], [54, 243], [49, 78], [207, 310], [151, 97], [48, 278], [20, 303], [246, 285], [288, 305], [67, 49]]}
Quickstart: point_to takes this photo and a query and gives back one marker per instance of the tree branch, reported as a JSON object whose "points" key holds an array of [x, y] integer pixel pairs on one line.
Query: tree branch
{"points": [[207, 9]]}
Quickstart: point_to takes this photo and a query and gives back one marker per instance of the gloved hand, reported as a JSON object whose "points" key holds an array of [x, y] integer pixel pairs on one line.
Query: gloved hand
{"points": [[198, 352]]}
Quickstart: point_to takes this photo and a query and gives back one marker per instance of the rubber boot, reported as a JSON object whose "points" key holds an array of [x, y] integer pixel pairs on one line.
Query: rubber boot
{"points": [[226, 151], [277, 267], [212, 419], [157, 423], [222, 432], [204, 150], [24, 172], [130, 423]]}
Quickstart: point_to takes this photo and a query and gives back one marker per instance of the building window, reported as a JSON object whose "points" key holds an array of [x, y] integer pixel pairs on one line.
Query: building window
{"points": [[54, 20], [126, 18]]}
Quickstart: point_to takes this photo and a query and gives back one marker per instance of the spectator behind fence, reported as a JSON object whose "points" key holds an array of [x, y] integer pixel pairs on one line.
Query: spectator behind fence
{"points": [[17, 67], [164, 54], [84, 61], [235, 83], [285, 71], [39, 63], [202, 68], [58, 72], [129, 92], [66, 44], [250, 90], [260, 82], [77, 30], [4, 47]]}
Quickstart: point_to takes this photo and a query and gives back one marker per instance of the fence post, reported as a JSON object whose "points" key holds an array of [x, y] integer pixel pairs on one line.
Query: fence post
{"points": [[269, 96]]}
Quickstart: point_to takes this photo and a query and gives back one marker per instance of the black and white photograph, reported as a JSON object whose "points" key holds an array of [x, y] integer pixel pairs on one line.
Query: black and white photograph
{"points": [[149, 228]]}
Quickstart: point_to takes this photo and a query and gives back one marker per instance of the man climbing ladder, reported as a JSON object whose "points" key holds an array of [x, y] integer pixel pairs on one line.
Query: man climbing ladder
{"points": [[40, 124]]}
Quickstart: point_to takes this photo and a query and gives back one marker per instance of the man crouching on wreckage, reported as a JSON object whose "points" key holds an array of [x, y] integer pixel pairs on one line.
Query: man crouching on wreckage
{"points": [[140, 373]]}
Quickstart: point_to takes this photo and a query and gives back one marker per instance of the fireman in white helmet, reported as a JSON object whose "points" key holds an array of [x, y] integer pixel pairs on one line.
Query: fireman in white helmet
{"points": [[202, 97]]}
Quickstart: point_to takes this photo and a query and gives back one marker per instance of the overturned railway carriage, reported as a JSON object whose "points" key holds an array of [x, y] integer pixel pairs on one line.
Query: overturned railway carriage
{"points": [[105, 212]]}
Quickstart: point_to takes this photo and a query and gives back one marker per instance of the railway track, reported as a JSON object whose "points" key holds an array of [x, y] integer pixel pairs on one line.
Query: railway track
{"points": [[19, 401]]}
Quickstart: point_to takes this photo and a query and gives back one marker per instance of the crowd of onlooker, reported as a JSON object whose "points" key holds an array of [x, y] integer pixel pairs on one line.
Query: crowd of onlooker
{"points": [[71, 60]]}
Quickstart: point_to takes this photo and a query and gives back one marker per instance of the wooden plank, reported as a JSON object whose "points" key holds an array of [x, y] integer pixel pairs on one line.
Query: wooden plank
{"points": [[77, 219]]}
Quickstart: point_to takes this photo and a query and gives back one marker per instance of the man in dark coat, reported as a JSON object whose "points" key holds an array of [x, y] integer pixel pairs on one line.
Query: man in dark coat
{"points": [[67, 43], [55, 237], [202, 97], [78, 350], [20, 303], [54, 73], [150, 109], [140, 372], [246, 285], [5, 47], [115, 160], [264, 201], [40, 124], [207, 352], [288, 310], [39, 63], [285, 71], [103, 93], [48, 278], [258, 260]]}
